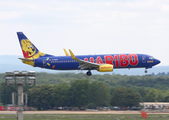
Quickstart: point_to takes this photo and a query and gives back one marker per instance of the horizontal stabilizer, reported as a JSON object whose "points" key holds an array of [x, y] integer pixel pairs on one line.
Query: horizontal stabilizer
{"points": [[28, 61]]}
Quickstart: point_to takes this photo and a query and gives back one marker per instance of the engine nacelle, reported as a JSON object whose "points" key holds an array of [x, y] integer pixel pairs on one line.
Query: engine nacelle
{"points": [[105, 68]]}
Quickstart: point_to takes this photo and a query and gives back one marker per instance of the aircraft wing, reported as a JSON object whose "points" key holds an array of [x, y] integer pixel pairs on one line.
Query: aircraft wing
{"points": [[84, 64]]}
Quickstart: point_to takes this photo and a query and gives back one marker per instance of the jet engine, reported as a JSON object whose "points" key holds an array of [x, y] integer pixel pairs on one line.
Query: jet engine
{"points": [[105, 68]]}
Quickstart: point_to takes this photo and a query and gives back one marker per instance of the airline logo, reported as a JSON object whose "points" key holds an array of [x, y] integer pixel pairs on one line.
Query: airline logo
{"points": [[122, 60], [27, 48]]}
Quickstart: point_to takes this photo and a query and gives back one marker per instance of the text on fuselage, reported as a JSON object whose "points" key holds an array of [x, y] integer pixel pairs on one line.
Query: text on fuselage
{"points": [[121, 60]]}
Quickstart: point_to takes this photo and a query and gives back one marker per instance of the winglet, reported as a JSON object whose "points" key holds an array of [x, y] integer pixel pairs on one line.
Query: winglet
{"points": [[67, 54], [72, 55]]}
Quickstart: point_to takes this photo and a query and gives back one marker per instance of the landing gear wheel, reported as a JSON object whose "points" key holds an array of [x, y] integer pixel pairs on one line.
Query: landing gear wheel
{"points": [[145, 70], [89, 73]]}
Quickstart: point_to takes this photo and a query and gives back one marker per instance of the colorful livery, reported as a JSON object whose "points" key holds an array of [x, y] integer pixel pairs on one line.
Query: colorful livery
{"points": [[101, 63]]}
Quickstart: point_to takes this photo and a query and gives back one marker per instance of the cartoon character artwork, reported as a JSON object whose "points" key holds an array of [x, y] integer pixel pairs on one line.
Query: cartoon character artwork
{"points": [[29, 51]]}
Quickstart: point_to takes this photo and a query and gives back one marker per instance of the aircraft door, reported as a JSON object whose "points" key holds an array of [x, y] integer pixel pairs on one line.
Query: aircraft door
{"points": [[44, 62], [144, 59]]}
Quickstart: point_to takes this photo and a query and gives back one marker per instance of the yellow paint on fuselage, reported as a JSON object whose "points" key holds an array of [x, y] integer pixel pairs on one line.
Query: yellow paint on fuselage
{"points": [[48, 64], [150, 61], [28, 62]]}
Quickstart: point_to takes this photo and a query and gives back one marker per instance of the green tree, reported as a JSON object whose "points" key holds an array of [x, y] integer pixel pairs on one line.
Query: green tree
{"points": [[99, 94], [60, 96], [79, 93], [143, 91], [152, 95], [6, 94], [166, 97], [160, 96], [125, 97], [133, 97], [41, 96]]}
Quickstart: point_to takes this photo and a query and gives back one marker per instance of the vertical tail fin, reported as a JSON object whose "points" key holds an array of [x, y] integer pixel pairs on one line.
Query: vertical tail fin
{"points": [[28, 49]]}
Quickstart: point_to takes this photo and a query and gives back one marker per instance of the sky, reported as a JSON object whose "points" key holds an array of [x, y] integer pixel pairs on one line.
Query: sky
{"points": [[87, 26]]}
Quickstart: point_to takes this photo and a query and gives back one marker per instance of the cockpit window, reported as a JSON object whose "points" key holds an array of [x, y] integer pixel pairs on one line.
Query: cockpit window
{"points": [[151, 58]]}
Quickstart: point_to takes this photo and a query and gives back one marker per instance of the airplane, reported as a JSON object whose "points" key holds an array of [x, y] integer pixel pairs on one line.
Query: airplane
{"points": [[101, 63]]}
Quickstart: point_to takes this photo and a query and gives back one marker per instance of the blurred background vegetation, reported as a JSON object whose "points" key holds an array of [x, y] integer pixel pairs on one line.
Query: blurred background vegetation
{"points": [[80, 90]]}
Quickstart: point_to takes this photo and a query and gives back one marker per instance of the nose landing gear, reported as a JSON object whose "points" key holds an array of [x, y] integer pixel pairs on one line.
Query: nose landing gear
{"points": [[89, 73], [145, 70]]}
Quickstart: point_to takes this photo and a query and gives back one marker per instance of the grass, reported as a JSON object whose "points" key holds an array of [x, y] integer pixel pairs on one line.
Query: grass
{"points": [[86, 117]]}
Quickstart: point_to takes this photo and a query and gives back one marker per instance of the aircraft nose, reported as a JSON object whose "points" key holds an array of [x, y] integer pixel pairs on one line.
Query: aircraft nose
{"points": [[157, 61]]}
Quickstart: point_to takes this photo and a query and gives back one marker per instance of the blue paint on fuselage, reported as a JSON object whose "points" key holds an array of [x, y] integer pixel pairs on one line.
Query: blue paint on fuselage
{"points": [[67, 63]]}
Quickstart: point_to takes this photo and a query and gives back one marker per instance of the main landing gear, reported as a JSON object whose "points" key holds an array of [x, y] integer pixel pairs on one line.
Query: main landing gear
{"points": [[145, 70], [89, 73]]}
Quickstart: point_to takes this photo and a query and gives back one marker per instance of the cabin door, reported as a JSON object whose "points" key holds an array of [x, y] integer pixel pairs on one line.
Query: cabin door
{"points": [[144, 59]]}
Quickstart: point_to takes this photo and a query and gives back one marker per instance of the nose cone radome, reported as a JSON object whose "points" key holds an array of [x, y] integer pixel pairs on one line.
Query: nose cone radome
{"points": [[157, 61]]}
